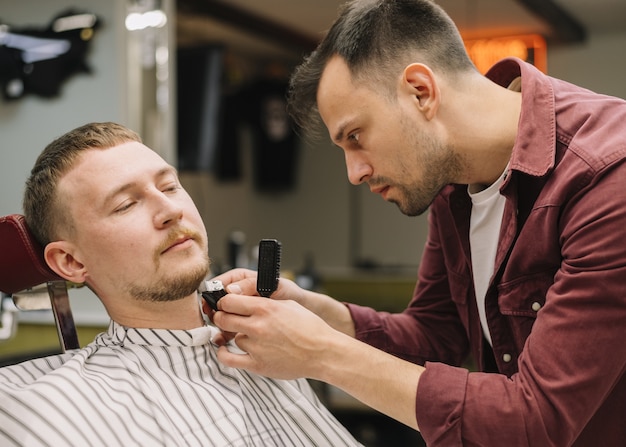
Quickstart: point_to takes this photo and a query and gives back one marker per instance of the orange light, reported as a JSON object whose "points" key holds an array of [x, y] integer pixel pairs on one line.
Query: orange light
{"points": [[486, 52]]}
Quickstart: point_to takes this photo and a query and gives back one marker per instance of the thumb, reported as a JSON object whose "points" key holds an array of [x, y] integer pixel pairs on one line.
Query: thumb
{"points": [[234, 288]]}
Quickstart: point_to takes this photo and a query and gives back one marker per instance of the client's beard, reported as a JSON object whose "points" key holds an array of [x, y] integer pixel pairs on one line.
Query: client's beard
{"points": [[171, 289]]}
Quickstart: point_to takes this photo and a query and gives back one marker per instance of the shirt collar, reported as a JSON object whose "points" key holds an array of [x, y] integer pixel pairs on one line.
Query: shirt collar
{"points": [[535, 145], [121, 335]]}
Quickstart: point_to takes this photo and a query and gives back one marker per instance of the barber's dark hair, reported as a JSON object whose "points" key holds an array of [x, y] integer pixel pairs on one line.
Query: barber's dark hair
{"points": [[377, 39], [43, 211]]}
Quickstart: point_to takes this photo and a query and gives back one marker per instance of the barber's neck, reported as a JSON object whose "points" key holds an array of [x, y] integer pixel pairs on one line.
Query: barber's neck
{"points": [[484, 123]]}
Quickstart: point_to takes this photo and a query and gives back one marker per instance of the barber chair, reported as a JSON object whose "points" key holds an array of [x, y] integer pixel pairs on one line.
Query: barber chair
{"points": [[27, 283]]}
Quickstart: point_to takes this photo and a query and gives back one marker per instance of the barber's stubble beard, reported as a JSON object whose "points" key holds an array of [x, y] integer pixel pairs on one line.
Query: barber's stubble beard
{"points": [[440, 164]]}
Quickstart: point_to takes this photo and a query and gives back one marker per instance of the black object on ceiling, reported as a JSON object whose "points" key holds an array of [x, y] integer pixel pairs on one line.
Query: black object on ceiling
{"points": [[565, 28]]}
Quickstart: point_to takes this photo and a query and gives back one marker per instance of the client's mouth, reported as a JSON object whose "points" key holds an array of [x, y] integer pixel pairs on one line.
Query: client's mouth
{"points": [[177, 243], [178, 239]]}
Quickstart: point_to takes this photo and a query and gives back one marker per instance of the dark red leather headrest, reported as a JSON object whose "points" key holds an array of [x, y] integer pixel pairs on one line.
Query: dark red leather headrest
{"points": [[21, 257]]}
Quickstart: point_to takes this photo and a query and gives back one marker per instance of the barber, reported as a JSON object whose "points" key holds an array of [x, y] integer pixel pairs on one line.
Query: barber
{"points": [[524, 177]]}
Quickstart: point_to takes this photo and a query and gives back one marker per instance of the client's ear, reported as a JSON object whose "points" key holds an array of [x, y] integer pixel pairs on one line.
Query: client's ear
{"points": [[60, 257]]}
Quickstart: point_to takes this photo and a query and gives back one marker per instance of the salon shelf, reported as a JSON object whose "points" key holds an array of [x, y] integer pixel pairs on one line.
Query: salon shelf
{"points": [[383, 291], [36, 339]]}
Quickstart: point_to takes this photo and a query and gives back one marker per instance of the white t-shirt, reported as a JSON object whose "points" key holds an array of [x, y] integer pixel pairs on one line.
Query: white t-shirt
{"points": [[485, 222]]}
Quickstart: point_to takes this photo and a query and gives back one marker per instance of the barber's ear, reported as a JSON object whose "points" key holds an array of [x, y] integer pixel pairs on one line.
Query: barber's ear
{"points": [[420, 82], [60, 256]]}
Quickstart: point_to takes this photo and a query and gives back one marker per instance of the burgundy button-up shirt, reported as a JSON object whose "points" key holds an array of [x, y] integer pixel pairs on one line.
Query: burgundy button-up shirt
{"points": [[556, 304]]}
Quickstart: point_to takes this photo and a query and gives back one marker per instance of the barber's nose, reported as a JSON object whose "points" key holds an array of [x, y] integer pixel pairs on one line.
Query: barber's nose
{"points": [[359, 170]]}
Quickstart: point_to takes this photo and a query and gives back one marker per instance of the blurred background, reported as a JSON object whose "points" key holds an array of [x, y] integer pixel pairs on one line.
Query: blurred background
{"points": [[204, 81]]}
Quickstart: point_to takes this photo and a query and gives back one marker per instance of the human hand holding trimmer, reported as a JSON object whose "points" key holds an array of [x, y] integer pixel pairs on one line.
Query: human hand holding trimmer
{"points": [[281, 335], [268, 274]]}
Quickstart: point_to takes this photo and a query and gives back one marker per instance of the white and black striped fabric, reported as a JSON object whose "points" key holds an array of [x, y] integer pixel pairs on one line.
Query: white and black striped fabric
{"points": [[149, 387]]}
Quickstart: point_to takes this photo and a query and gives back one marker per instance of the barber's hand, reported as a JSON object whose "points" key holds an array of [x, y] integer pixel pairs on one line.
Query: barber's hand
{"points": [[239, 276], [283, 339], [243, 282]]}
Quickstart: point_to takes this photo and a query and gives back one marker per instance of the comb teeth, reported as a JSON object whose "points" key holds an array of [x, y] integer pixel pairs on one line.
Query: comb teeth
{"points": [[269, 266]]}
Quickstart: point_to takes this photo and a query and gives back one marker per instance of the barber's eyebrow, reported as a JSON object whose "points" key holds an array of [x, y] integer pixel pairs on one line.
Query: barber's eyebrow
{"points": [[339, 134], [126, 186], [341, 130]]}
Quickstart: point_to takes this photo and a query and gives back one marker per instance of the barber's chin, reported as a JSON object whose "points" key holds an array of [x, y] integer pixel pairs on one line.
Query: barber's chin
{"points": [[412, 212]]}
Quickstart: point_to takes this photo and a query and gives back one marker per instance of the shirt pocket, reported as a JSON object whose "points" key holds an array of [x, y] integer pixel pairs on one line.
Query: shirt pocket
{"points": [[521, 300]]}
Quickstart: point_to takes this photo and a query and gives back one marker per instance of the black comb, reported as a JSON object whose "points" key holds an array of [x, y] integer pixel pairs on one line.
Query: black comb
{"points": [[269, 267]]}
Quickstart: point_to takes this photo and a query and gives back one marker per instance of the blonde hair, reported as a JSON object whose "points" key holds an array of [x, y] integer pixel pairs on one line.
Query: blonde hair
{"points": [[43, 212]]}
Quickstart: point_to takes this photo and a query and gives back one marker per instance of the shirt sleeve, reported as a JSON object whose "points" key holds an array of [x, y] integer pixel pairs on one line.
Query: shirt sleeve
{"points": [[569, 385], [430, 328]]}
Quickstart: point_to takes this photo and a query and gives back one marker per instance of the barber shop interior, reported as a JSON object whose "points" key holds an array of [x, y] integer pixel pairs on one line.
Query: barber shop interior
{"points": [[204, 82]]}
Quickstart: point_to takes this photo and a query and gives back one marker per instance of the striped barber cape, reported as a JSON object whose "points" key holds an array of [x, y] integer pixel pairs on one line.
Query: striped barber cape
{"points": [[149, 387]]}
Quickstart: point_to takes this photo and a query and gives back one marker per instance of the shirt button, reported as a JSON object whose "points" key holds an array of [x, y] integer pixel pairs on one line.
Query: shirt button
{"points": [[506, 358], [536, 306]]}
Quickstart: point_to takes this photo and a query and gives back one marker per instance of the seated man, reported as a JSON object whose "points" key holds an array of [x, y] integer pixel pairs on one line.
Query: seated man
{"points": [[112, 214]]}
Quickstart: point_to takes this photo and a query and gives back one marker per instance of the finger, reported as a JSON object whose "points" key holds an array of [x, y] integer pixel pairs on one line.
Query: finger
{"points": [[230, 323], [211, 316], [243, 305], [221, 338], [233, 360], [245, 286], [235, 275], [207, 310]]}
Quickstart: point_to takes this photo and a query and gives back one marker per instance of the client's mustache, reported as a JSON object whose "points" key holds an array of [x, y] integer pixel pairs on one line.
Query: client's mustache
{"points": [[178, 233]]}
